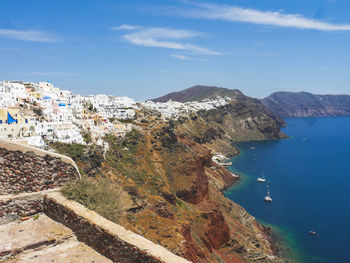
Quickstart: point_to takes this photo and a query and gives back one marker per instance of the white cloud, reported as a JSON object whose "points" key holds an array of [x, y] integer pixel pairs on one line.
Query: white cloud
{"points": [[246, 15], [125, 27], [28, 35], [183, 57], [166, 38]]}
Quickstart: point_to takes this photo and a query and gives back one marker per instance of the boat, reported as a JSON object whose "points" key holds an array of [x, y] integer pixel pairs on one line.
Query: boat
{"points": [[268, 196], [225, 163], [268, 199], [261, 179], [313, 233]]}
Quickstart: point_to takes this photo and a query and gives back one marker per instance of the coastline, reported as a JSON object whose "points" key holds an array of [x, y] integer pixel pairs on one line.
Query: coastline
{"points": [[284, 243], [282, 240], [276, 241]]}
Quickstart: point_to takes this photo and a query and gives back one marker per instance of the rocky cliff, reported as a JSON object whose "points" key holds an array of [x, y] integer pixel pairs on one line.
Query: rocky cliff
{"points": [[171, 190], [303, 104], [244, 119], [172, 196], [171, 193]]}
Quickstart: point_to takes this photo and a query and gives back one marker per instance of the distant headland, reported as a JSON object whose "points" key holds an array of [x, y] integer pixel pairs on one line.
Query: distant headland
{"points": [[304, 104]]}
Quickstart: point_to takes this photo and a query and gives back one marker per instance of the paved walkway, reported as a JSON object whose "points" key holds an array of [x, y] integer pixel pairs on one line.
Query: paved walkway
{"points": [[43, 240]]}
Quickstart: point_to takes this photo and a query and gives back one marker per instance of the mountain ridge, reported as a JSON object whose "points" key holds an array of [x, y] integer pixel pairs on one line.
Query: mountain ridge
{"points": [[198, 92], [305, 104]]}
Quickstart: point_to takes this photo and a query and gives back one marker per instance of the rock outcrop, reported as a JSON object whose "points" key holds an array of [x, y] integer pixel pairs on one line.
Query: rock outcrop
{"points": [[304, 104], [244, 119]]}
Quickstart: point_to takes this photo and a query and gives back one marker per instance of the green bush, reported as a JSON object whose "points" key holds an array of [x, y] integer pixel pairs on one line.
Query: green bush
{"points": [[100, 195], [73, 150]]}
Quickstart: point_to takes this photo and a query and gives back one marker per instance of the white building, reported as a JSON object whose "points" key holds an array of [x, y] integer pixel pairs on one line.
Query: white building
{"points": [[67, 133]]}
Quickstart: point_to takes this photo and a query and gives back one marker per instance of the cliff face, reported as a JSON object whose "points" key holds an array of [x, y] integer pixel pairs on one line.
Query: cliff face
{"points": [[178, 203], [244, 119], [303, 104], [171, 194]]}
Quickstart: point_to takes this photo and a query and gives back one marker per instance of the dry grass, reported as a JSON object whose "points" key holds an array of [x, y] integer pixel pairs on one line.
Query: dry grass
{"points": [[100, 195]]}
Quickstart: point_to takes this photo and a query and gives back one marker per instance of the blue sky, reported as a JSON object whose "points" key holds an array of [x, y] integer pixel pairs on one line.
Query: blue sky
{"points": [[144, 49]]}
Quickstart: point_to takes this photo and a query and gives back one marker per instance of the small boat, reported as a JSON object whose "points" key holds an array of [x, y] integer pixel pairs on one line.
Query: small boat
{"points": [[313, 233], [268, 199], [252, 148], [225, 163], [268, 196], [261, 179]]}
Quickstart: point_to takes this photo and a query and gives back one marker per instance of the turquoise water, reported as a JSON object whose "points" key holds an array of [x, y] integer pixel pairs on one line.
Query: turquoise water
{"points": [[310, 187]]}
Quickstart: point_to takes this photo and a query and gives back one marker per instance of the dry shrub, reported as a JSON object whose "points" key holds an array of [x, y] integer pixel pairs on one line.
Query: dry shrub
{"points": [[98, 194]]}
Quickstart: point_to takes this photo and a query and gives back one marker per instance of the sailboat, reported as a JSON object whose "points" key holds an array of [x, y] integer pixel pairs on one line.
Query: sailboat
{"points": [[268, 196], [261, 179]]}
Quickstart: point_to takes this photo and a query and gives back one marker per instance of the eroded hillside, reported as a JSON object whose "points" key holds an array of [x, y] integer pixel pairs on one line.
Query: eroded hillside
{"points": [[171, 193], [170, 190]]}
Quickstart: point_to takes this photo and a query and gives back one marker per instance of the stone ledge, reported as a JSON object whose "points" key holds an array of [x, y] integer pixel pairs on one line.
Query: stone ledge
{"points": [[109, 239]]}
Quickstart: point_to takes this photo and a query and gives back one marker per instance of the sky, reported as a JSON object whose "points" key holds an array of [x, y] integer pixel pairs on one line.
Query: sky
{"points": [[147, 48]]}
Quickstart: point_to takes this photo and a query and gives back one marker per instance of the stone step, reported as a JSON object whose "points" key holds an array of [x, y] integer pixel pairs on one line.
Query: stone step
{"points": [[40, 239], [70, 251]]}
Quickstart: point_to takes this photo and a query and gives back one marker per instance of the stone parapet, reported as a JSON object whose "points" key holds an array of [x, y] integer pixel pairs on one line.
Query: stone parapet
{"points": [[26, 171], [109, 239], [13, 207], [13, 146]]}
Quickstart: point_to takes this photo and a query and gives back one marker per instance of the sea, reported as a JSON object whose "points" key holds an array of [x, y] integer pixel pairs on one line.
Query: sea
{"points": [[308, 176]]}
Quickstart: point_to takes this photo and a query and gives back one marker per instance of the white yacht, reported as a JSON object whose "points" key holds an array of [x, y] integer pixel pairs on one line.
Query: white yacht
{"points": [[261, 179], [268, 196]]}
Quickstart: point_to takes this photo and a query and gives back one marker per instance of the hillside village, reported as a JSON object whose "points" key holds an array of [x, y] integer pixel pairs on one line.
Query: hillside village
{"points": [[35, 113]]}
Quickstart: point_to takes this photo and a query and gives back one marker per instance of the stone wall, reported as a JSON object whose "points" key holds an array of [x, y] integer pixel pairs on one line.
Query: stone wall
{"points": [[14, 146], [14, 207], [28, 172], [109, 239]]}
